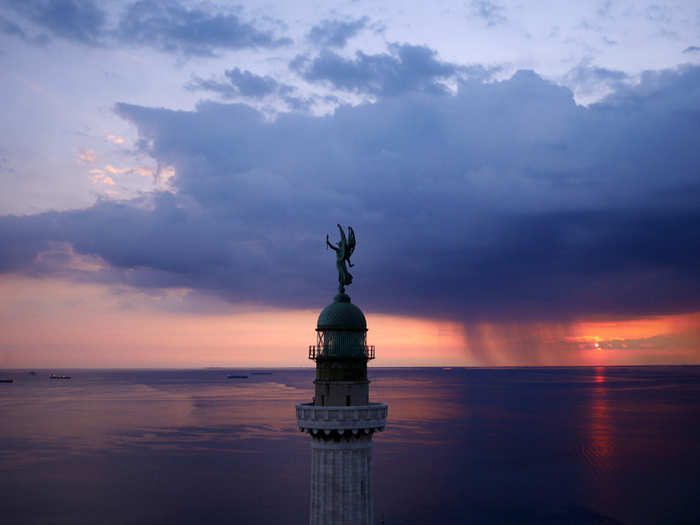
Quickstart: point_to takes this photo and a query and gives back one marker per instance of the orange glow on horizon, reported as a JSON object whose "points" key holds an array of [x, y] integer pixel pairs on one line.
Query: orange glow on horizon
{"points": [[599, 331], [52, 322], [670, 339], [58, 323]]}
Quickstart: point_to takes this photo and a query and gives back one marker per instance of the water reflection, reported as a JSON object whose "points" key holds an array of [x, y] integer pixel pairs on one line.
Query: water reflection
{"points": [[599, 451], [98, 412], [526, 446]]}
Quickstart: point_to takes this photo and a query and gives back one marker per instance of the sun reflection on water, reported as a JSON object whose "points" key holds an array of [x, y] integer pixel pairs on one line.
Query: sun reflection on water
{"points": [[600, 449]]}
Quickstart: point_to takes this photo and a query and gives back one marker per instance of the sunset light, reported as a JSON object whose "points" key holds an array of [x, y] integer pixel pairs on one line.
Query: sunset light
{"points": [[349, 263]]}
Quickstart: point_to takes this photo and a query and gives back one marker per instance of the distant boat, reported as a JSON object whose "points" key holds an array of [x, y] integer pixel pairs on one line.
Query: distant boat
{"points": [[54, 376], [7, 380], [238, 377], [32, 373]]}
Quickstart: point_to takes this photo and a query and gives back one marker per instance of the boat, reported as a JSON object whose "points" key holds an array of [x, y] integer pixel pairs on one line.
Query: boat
{"points": [[238, 377], [7, 380], [54, 376]]}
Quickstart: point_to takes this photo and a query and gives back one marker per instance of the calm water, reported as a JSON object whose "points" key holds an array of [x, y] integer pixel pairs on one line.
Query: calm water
{"points": [[521, 446]]}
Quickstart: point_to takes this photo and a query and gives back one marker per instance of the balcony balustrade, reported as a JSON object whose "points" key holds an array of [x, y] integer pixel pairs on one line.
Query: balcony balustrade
{"points": [[321, 352]]}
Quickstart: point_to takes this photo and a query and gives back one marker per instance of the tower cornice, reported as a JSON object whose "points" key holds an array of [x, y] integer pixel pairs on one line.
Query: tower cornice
{"points": [[312, 418]]}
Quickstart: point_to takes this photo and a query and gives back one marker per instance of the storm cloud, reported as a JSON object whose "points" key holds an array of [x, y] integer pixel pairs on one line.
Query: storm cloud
{"points": [[405, 68], [169, 26], [165, 25], [505, 201]]}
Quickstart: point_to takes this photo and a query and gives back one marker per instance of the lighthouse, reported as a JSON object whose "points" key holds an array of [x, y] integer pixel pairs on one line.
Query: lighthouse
{"points": [[340, 419]]}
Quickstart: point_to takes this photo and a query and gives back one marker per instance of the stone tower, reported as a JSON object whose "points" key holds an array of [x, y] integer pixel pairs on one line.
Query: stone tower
{"points": [[340, 419]]}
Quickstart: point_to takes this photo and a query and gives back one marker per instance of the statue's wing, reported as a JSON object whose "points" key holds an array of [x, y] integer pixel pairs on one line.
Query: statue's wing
{"points": [[351, 241], [343, 240]]}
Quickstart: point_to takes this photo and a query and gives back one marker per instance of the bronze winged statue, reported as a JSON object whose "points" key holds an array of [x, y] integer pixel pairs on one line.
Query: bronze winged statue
{"points": [[342, 253]]}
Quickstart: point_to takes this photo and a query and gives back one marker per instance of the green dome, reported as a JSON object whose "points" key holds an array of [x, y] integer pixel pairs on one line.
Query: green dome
{"points": [[341, 314]]}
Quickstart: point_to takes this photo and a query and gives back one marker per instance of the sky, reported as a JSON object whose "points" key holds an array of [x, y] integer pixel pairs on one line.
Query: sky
{"points": [[523, 180]]}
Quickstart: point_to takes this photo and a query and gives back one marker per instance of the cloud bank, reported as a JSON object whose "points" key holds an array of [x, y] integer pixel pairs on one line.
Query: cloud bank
{"points": [[505, 201]]}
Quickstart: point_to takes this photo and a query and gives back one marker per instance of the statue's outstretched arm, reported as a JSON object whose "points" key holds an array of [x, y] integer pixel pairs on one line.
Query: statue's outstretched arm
{"points": [[330, 245]]}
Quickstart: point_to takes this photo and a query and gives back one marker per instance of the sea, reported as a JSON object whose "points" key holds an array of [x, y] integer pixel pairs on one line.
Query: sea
{"points": [[583, 445]]}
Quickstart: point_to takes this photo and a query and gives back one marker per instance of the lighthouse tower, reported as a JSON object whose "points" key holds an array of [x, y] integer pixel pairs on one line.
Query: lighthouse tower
{"points": [[340, 419]]}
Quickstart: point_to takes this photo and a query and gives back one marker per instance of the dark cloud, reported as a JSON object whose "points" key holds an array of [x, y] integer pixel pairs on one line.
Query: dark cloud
{"points": [[587, 72], [504, 202], [406, 68], [336, 33], [587, 78], [170, 26], [240, 83], [77, 20], [8, 27], [166, 25], [222, 88], [691, 49], [251, 85]]}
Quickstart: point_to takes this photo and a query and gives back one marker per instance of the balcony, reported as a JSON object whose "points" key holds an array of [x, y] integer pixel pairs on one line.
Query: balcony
{"points": [[319, 352], [364, 418]]}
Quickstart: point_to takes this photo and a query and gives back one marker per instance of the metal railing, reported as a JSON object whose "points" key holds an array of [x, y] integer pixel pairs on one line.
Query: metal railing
{"points": [[316, 352]]}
